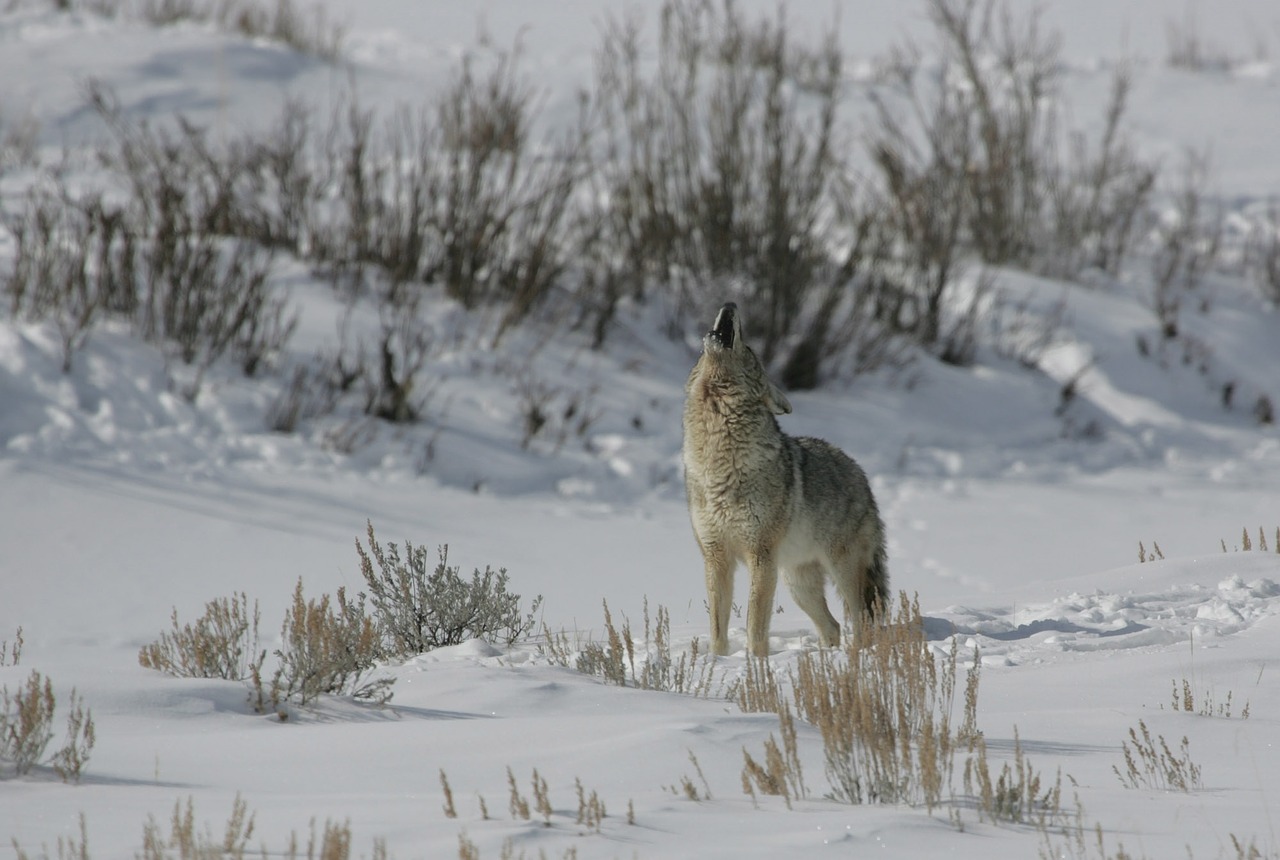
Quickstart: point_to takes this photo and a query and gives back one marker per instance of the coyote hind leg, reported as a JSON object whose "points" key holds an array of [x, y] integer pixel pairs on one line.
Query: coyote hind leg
{"points": [[808, 584]]}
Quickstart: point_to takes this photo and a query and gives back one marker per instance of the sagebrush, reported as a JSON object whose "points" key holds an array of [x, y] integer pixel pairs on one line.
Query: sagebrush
{"points": [[418, 606]]}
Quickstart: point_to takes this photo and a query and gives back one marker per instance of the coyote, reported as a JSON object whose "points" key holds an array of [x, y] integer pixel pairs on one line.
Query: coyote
{"points": [[772, 500]]}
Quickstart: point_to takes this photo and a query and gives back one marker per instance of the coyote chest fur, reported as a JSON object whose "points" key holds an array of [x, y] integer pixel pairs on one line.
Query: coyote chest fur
{"points": [[772, 501]]}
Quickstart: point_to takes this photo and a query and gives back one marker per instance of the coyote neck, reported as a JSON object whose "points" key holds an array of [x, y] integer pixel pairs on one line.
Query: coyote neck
{"points": [[727, 450]]}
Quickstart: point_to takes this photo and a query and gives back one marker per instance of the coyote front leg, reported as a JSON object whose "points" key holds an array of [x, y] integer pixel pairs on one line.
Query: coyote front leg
{"points": [[720, 566], [764, 583]]}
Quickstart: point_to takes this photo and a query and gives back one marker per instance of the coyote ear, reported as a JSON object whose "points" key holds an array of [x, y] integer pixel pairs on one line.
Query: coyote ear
{"points": [[776, 401]]}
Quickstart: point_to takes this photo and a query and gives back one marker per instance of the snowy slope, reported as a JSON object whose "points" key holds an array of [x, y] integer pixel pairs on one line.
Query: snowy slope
{"points": [[1017, 523]]}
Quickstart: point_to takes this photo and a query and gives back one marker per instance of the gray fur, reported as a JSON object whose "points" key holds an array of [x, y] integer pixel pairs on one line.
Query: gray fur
{"points": [[771, 500]]}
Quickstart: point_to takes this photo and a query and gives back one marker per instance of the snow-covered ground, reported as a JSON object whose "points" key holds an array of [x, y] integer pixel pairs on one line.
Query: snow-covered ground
{"points": [[1016, 521]]}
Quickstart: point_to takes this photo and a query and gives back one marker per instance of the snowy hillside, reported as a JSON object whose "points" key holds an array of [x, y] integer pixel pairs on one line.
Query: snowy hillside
{"points": [[1016, 485]]}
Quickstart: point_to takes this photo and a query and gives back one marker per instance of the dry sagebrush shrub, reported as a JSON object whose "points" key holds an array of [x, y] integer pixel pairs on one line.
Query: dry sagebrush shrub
{"points": [[222, 643], [328, 649], [26, 728], [417, 607]]}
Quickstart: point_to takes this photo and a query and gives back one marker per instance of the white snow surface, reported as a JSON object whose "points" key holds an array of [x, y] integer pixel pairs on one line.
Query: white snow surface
{"points": [[1016, 523]]}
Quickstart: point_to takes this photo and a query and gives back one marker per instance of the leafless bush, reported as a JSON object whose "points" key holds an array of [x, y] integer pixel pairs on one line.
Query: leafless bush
{"points": [[417, 608], [504, 225], [1187, 243], [723, 170], [19, 139], [279, 21], [1187, 49], [1098, 197], [979, 163], [72, 263], [168, 259], [308, 394], [205, 297], [396, 389], [458, 194], [552, 413], [1262, 253]]}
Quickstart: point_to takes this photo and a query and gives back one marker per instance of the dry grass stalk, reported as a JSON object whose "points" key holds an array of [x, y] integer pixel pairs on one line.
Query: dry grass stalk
{"points": [[450, 811], [11, 655], [1150, 763], [757, 690], [541, 799], [781, 773], [519, 806], [591, 809]]}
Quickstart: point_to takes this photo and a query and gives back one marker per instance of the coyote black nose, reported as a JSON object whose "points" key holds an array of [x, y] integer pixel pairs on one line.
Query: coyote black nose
{"points": [[722, 329]]}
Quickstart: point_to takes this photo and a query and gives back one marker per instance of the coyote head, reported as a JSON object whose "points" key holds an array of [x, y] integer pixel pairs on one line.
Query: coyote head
{"points": [[730, 369]]}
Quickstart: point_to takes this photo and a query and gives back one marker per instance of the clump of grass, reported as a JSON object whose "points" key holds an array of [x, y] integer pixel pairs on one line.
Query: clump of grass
{"points": [[1183, 698], [624, 660], [591, 809], [1150, 763], [26, 729], [883, 707], [1246, 544], [1154, 555], [69, 847], [605, 660], [182, 840], [757, 689], [1078, 842], [1018, 795]]}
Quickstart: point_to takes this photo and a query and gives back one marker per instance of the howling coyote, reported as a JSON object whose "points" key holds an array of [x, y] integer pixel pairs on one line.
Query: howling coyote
{"points": [[772, 500]]}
